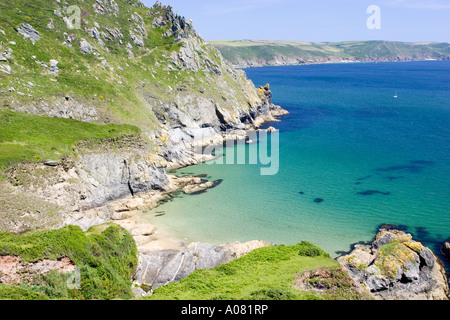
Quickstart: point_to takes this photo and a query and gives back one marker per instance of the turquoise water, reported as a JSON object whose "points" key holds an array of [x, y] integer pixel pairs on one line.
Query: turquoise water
{"points": [[372, 159]]}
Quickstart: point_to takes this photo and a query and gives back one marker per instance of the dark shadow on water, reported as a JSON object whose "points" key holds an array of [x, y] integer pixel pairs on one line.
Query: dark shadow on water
{"points": [[373, 192], [416, 166], [301, 118], [392, 178]]}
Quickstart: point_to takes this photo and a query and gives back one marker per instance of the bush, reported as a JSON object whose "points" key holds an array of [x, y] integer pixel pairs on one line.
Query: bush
{"points": [[106, 257], [309, 250], [272, 294]]}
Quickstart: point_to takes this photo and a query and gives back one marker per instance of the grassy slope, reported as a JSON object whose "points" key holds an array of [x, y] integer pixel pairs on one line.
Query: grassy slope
{"points": [[360, 50], [106, 256], [25, 137], [264, 274], [81, 75]]}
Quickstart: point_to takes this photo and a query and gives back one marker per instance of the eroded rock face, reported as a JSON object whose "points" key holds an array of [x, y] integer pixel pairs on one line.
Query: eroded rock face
{"points": [[395, 267], [160, 267], [13, 271], [99, 175]]}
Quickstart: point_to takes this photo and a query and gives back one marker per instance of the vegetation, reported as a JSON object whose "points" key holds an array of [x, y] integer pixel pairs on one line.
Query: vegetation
{"points": [[107, 78], [264, 274], [106, 256], [30, 138]]}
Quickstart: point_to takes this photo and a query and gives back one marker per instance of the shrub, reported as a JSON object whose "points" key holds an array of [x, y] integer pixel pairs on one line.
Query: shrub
{"points": [[272, 294], [106, 257], [309, 250]]}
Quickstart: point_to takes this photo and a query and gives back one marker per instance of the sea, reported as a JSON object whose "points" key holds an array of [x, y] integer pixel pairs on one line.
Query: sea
{"points": [[364, 145]]}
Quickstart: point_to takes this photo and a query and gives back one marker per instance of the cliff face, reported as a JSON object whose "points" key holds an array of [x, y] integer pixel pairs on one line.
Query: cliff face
{"points": [[117, 62]]}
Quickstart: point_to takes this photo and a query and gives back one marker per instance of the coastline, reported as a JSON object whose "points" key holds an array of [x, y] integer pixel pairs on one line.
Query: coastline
{"points": [[129, 212], [247, 66]]}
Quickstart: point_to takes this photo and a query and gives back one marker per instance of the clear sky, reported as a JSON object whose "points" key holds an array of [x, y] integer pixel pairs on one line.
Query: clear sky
{"points": [[316, 20]]}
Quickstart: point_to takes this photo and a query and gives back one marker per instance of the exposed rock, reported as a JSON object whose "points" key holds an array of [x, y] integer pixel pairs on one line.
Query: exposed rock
{"points": [[53, 67], [85, 47], [51, 163], [446, 250], [5, 68], [28, 32], [13, 271], [394, 267], [6, 55], [158, 268], [201, 187], [59, 107], [106, 6], [50, 25]]}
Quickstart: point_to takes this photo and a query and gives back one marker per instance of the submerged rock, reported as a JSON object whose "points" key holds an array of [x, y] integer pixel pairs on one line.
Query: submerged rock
{"points": [[395, 267], [372, 192]]}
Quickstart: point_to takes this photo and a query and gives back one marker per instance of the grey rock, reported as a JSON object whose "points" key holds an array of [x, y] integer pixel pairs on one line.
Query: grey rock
{"points": [[28, 32], [446, 250], [85, 47], [106, 7], [162, 267], [428, 258], [51, 163], [137, 39], [53, 69], [409, 271]]}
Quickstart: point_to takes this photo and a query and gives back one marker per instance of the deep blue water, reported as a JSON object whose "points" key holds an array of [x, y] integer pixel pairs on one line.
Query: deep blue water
{"points": [[371, 159]]}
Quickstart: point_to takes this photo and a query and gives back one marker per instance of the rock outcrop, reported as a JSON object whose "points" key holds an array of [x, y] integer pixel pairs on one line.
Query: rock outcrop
{"points": [[446, 250], [395, 267], [28, 32], [14, 271], [161, 267]]}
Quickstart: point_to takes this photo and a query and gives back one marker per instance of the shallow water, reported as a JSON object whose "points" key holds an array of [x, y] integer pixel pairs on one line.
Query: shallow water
{"points": [[352, 157]]}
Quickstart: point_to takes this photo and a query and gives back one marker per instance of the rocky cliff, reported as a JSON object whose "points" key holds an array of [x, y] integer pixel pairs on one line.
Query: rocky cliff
{"points": [[117, 62], [120, 65]]}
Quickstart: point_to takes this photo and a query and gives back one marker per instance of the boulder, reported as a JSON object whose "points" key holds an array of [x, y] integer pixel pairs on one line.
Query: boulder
{"points": [[85, 47], [395, 267], [446, 250], [29, 33]]}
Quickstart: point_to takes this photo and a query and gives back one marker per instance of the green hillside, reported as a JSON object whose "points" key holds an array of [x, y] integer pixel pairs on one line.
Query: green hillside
{"points": [[257, 53]]}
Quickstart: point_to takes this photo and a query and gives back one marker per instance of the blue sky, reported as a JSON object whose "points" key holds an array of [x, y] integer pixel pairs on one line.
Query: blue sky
{"points": [[315, 20]]}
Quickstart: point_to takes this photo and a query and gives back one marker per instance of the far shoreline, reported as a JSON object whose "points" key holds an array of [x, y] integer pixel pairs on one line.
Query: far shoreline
{"points": [[333, 63]]}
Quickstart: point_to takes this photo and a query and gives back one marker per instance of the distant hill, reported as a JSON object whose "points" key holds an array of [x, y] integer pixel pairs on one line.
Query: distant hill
{"points": [[248, 53]]}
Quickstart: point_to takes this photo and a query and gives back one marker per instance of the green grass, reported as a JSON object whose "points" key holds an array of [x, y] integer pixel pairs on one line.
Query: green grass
{"points": [[8, 292], [264, 274], [107, 259], [25, 137]]}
